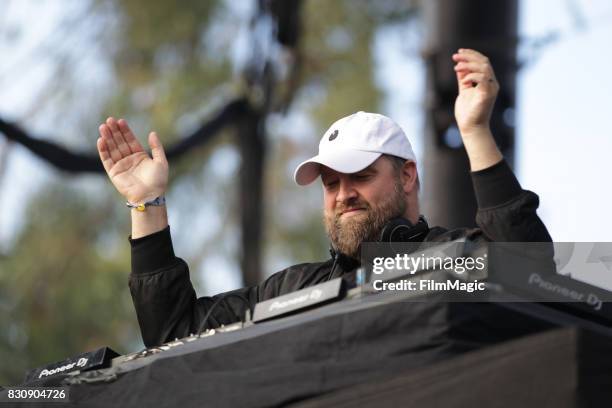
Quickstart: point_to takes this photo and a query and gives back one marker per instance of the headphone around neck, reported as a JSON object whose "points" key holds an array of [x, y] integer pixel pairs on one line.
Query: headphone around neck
{"points": [[401, 230], [395, 230]]}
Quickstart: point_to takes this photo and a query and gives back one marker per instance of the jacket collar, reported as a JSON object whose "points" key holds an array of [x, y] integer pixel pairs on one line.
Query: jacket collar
{"points": [[344, 261]]}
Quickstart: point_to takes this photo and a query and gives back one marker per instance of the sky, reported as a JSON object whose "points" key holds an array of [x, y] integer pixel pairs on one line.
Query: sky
{"points": [[563, 134]]}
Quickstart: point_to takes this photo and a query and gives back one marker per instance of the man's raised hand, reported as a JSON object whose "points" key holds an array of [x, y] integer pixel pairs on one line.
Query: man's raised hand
{"points": [[478, 89], [136, 175]]}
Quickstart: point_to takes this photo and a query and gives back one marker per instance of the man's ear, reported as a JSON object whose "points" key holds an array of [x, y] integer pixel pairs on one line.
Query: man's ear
{"points": [[409, 176]]}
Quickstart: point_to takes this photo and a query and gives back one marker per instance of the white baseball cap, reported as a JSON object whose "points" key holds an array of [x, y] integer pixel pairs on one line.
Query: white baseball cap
{"points": [[353, 143]]}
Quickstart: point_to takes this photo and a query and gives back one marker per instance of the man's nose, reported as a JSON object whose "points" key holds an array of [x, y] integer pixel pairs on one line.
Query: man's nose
{"points": [[346, 191]]}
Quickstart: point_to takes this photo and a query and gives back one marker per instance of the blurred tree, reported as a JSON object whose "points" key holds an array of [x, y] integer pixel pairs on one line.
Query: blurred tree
{"points": [[63, 286], [63, 290], [336, 79], [492, 29]]}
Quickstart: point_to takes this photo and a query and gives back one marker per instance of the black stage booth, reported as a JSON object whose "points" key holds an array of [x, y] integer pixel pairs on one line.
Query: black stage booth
{"points": [[378, 350]]}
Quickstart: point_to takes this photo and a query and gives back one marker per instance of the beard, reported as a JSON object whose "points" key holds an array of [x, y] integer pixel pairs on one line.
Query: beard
{"points": [[347, 234]]}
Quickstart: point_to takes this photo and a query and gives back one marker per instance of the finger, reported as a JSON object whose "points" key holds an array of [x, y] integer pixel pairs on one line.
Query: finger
{"points": [[477, 79], [107, 136], [466, 59], [474, 67], [460, 84], [157, 150], [129, 137], [105, 156], [470, 53], [120, 142]]}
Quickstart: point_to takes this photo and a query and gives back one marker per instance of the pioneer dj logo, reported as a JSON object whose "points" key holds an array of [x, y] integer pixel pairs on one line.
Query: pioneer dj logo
{"points": [[279, 305], [315, 294], [45, 373]]}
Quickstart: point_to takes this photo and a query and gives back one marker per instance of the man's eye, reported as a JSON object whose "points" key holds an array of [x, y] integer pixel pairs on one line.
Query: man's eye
{"points": [[331, 184], [362, 176]]}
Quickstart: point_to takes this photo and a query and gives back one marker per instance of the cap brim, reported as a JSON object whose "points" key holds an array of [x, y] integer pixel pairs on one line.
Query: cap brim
{"points": [[343, 161]]}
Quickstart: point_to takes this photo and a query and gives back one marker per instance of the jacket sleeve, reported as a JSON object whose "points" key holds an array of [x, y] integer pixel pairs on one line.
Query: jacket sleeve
{"points": [[165, 300], [506, 212]]}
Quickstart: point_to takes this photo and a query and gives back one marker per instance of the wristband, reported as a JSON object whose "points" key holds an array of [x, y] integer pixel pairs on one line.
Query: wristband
{"points": [[157, 202]]}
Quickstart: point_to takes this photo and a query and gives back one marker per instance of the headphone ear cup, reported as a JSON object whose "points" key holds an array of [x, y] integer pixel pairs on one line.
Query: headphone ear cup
{"points": [[395, 230], [402, 230]]}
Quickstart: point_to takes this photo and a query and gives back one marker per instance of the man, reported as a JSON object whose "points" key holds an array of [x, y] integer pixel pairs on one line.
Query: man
{"points": [[369, 177]]}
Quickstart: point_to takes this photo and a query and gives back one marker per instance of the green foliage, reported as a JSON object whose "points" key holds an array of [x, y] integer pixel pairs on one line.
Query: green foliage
{"points": [[63, 289], [338, 69], [337, 41], [164, 69]]}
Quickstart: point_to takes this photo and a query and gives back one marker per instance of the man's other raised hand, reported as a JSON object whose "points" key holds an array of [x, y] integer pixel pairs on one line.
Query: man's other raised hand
{"points": [[478, 89]]}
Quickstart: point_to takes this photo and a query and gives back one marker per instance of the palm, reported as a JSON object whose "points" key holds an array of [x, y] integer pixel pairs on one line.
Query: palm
{"points": [[137, 176], [133, 172]]}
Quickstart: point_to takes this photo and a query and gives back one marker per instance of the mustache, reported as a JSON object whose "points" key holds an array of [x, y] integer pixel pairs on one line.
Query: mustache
{"points": [[346, 206]]}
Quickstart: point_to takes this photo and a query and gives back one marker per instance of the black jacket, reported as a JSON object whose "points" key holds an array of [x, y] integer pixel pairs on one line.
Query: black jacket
{"points": [[167, 306]]}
